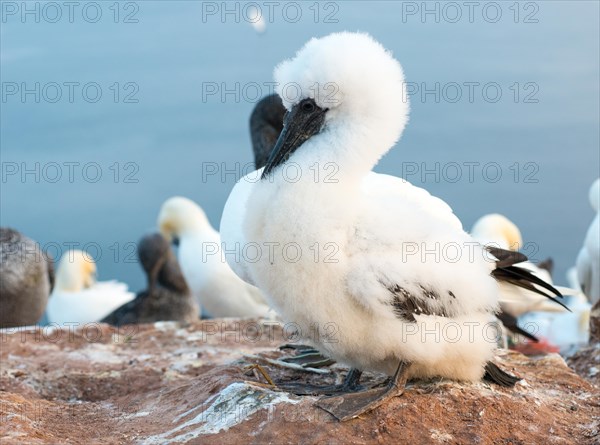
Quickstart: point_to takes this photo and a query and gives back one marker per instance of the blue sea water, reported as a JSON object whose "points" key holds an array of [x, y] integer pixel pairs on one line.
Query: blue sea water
{"points": [[504, 111]]}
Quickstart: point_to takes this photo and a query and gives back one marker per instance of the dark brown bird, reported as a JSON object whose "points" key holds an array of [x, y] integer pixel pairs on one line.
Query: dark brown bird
{"points": [[26, 279], [167, 297], [266, 123]]}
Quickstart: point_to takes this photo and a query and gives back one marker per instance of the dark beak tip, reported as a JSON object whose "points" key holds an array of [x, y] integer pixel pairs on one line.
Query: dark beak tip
{"points": [[299, 126]]}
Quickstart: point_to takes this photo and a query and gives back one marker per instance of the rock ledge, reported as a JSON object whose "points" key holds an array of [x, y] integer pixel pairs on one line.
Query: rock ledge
{"points": [[167, 384]]}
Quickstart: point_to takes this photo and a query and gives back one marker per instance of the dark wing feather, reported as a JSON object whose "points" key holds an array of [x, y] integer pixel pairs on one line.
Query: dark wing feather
{"points": [[507, 271], [510, 323], [496, 375], [406, 305], [127, 313], [506, 257], [526, 280]]}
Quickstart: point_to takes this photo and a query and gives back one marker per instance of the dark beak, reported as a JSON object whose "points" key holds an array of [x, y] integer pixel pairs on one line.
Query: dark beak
{"points": [[175, 241], [302, 122]]}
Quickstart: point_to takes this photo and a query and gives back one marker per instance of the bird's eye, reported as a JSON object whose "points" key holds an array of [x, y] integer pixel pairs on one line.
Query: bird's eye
{"points": [[308, 106]]}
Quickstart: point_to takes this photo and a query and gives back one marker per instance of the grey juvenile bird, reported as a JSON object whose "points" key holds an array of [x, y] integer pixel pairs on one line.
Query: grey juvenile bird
{"points": [[26, 279], [167, 296]]}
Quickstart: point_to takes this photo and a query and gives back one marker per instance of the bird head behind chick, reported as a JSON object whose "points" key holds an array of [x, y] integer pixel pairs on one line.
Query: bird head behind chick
{"points": [[181, 216], [498, 229], [159, 263]]}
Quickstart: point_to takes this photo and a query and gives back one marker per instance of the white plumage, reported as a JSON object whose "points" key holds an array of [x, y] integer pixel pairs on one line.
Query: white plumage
{"points": [[77, 297], [233, 239], [497, 230], [232, 236], [588, 260], [385, 271], [216, 287]]}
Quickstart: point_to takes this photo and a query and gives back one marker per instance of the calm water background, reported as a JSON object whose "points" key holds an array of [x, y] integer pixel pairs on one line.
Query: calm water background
{"points": [[166, 139]]}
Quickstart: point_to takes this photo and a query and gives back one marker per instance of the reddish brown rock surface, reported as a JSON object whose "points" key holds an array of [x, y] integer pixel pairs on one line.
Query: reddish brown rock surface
{"points": [[160, 384]]}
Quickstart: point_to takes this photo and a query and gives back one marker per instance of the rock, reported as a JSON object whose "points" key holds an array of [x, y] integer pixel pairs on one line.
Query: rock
{"points": [[164, 383], [586, 363]]}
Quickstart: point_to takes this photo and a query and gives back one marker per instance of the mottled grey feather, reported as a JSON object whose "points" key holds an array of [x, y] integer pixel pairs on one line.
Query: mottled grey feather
{"points": [[26, 279]]}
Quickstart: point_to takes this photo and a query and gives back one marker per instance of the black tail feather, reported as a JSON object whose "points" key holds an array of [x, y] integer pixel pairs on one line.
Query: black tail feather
{"points": [[510, 323], [496, 375], [520, 277], [519, 272], [522, 280], [506, 257]]}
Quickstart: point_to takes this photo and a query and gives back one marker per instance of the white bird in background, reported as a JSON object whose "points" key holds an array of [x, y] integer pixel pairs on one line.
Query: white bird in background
{"points": [[498, 231], [358, 283], [218, 290], [588, 260], [77, 297], [255, 16]]}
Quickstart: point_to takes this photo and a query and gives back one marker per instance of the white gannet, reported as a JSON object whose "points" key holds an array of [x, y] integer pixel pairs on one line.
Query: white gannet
{"points": [[77, 296], [167, 297], [218, 290], [588, 260], [254, 15], [361, 264], [26, 279], [499, 231]]}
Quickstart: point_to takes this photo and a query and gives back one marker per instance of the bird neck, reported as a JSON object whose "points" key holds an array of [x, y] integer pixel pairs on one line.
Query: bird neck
{"points": [[171, 277], [332, 157], [200, 229], [68, 280]]}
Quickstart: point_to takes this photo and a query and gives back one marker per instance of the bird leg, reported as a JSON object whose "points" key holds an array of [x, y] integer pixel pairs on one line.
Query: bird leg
{"points": [[350, 384], [347, 406]]}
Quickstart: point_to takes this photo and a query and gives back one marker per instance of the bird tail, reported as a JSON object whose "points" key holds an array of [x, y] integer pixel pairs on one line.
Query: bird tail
{"points": [[510, 323], [507, 272], [494, 374]]}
